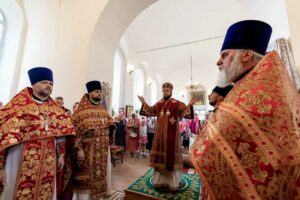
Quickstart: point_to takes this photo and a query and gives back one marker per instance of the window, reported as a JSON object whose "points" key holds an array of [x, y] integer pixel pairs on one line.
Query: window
{"points": [[2, 31], [153, 93], [138, 87], [116, 82]]}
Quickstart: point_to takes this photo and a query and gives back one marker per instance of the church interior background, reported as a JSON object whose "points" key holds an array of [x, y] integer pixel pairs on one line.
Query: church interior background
{"points": [[132, 46]]}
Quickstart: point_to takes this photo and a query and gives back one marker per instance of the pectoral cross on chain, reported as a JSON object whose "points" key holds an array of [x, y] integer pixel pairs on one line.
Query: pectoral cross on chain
{"points": [[46, 123], [168, 113], [161, 113], [102, 120]]}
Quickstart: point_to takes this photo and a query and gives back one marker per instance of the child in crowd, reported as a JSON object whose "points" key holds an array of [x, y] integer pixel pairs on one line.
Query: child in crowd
{"points": [[143, 137], [186, 139]]}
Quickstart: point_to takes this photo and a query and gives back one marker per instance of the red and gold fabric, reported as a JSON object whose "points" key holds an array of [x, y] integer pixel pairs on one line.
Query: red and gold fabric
{"points": [[91, 124], [22, 121], [250, 147], [166, 148]]}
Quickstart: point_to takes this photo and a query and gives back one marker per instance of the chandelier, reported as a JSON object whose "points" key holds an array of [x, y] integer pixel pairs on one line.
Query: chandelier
{"points": [[192, 85]]}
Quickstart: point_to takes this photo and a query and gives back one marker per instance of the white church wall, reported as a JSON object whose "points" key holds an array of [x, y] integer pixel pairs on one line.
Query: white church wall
{"points": [[78, 42], [58, 37], [271, 11], [170, 63], [109, 29], [294, 21], [12, 43], [128, 88]]}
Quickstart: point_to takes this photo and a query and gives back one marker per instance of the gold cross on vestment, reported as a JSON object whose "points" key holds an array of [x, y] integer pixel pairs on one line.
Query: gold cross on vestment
{"points": [[46, 123], [172, 120], [50, 159], [102, 120], [98, 172]]}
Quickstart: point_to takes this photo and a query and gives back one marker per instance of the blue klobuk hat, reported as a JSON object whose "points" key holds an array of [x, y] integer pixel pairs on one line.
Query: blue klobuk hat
{"points": [[248, 34], [40, 74], [93, 85]]}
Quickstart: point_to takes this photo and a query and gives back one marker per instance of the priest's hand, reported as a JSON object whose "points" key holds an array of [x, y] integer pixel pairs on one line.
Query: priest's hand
{"points": [[142, 100], [2, 178], [80, 155], [60, 162], [192, 101]]}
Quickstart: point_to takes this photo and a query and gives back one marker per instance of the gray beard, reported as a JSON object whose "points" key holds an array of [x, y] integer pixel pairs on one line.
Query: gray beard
{"points": [[229, 75]]}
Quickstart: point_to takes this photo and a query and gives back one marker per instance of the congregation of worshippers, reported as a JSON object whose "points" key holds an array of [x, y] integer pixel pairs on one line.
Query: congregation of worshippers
{"points": [[247, 146]]}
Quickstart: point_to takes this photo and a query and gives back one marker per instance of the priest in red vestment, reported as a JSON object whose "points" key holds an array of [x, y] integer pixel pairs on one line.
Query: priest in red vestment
{"points": [[32, 138], [217, 95], [250, 147], [166, 158], [92, 166]]}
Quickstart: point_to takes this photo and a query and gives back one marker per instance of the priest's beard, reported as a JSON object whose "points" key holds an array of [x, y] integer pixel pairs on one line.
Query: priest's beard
{"points": [[167, 96], [45, 94], [96, 99], [213, 103], [232, 73]]}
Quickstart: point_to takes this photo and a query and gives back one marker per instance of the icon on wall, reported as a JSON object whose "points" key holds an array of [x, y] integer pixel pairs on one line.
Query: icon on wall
{"points": [[199, 96], [129, 110]]}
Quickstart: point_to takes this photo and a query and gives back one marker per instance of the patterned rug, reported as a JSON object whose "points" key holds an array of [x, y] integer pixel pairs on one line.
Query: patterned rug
{"points": [[189, 189], [117, 196]]}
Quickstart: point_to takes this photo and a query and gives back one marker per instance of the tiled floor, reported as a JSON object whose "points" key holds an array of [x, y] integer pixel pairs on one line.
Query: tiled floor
{"points": [[125, 174]]}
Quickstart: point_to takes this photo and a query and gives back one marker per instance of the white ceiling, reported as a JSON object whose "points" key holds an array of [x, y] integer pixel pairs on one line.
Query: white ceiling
{"points": [[173, 22]]}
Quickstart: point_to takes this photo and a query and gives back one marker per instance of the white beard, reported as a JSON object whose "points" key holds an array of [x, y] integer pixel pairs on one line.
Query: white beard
{"points": [[229, 75]]}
